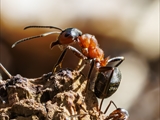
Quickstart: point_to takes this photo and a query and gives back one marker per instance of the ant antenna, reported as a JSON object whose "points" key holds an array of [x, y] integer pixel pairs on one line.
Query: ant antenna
{"points": [[43, 27], [4, 69], [33, 37], [41, 35]]}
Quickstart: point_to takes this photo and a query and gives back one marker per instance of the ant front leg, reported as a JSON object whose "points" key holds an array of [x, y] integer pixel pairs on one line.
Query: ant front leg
{"points": [[74, 50], [92, 62]]}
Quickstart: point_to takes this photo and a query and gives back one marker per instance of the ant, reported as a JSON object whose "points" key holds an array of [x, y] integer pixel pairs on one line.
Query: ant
{"points": [[109, 75], [118, 114], [90, 49]]}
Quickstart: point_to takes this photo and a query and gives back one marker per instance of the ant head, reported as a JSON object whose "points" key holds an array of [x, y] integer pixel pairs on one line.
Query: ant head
{"points": [[67, 36], [108, 78], [71, 32], [119, 113]]}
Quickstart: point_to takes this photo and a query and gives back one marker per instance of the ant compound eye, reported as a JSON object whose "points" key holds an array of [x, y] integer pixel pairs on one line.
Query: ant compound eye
{"points": [[67, 34]]}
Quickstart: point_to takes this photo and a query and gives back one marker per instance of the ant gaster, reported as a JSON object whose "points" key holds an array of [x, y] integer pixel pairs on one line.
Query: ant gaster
{"points": [[108, 79]]}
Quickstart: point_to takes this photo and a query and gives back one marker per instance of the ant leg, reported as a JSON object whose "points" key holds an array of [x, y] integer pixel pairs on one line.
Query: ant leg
{"points": [[79, 64], [89, 75], [107, 85], [81, 68], [116, 61], [4, 69], [74, 50], [59, 62], [111, 102]]}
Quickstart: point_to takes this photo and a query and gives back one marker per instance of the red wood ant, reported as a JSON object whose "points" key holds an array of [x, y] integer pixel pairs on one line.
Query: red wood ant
{"points": [[109, 75], [90, 49], [88, 43]]}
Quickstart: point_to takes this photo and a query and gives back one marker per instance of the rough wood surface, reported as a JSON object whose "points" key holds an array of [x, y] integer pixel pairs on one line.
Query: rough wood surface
{"points": [[58, 96]]}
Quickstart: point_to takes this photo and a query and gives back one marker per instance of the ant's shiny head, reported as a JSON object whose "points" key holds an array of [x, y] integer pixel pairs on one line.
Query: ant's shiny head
{"points": [[67, 36], [73, 33], [119, 114]]}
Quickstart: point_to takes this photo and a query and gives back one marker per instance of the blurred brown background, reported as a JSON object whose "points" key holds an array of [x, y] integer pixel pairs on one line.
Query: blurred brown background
{"points": [[128, 28]]}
